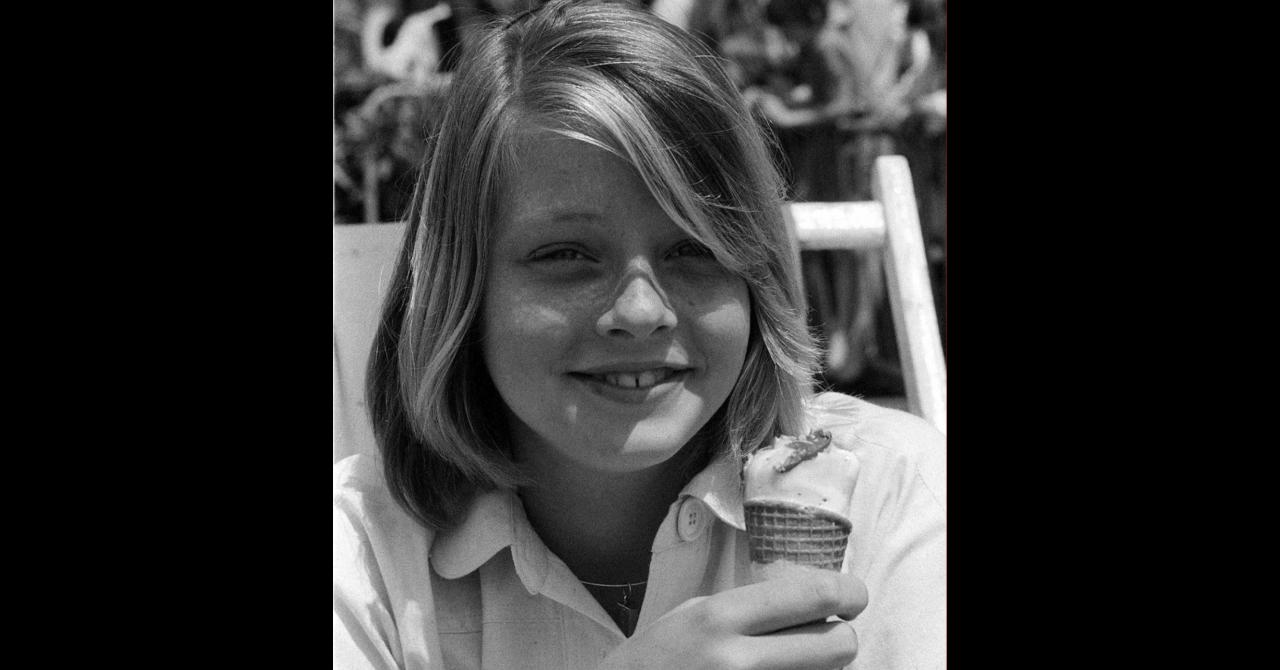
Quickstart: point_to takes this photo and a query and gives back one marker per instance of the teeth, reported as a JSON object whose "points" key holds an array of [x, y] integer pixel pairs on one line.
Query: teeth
{"points": [[632, 380]]}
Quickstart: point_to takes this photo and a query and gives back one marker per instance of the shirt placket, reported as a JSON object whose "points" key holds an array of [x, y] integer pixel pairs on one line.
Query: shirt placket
{"points": [[679, 559], [587, 631]]}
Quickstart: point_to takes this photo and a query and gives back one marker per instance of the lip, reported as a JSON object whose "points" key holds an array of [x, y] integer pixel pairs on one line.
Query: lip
{"points": [[631, 367], [610, 381]]}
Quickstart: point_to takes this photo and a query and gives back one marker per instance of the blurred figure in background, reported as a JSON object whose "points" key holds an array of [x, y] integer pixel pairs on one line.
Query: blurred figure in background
{"points": [[392, 62], [836, 79], [414, 51], [914, 121], [472, 15], [922, 138]]}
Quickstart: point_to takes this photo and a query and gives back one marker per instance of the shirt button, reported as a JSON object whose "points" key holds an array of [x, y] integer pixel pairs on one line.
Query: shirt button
{"points": [[691, 519]]}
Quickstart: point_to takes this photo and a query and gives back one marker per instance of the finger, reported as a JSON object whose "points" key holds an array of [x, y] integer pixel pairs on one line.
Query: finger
{"points": [[800, 598], [816, 646]]}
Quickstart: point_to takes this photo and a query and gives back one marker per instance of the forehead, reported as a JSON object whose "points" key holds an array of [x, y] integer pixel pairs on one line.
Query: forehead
{"points": [[552, 172]]}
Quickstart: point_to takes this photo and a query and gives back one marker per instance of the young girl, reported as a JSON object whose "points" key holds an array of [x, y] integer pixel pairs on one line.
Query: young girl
{"points": [[595, 315]]}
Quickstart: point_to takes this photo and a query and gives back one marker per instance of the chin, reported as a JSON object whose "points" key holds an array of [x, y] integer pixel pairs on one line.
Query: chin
{"points": [[644, 445]]}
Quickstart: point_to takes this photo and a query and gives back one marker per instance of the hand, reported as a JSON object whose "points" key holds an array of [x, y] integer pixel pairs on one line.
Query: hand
{"points": [[779, 623]]}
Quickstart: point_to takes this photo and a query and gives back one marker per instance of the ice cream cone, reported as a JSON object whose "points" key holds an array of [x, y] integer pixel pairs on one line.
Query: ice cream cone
{"points": [[798, 534], [796, 494]]}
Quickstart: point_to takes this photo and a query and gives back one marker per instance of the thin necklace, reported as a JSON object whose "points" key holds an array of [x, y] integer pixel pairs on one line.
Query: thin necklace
{"points": [[627, 611], [615, 586]]}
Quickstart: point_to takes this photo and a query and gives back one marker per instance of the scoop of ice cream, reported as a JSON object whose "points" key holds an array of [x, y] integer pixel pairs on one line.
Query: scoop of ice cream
{"points": [[813, 471]]}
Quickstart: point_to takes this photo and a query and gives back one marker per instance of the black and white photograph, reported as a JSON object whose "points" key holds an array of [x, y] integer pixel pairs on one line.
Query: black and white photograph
{"points": [[639, 334]]}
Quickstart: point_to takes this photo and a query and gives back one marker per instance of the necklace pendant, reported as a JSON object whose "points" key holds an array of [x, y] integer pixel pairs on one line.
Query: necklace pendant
{"points": [[627, 618]]}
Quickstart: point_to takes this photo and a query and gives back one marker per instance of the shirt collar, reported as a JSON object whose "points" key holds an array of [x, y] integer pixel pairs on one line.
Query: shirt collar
{"points": [[496, 520], [719, 486]]}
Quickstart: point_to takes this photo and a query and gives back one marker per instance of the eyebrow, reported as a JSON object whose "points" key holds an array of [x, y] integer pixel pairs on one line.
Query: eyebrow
{"points": [[555, 215]]}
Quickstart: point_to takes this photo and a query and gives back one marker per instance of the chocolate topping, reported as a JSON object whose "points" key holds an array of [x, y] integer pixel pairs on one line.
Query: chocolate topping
{"points": [[804, 449]]}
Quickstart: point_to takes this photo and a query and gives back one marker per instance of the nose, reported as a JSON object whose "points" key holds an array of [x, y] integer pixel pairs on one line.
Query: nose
{"points": [[639, 309]]}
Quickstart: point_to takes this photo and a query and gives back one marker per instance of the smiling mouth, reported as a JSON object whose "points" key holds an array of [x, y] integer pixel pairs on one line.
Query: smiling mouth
{"points": [[640, 380]]}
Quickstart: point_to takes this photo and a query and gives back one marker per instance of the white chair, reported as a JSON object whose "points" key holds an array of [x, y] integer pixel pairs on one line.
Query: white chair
{"points": [[891, 224], [364, 257]]}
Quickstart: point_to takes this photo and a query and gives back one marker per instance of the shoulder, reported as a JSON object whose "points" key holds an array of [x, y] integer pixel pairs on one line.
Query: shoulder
{"points": [[379, 571], [358, 482], [882, 437], [356, 472], [364, 511], [892, 428]]}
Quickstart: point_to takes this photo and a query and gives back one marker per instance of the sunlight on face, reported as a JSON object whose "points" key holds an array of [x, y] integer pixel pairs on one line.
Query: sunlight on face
{"points": [[611, 335]]}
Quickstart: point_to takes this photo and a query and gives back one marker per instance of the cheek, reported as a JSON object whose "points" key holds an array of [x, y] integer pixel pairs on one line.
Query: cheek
{"points": [[723, 326], [521, 332]]}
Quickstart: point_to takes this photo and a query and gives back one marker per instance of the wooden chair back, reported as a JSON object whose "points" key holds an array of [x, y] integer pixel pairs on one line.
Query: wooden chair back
{"points": [[891, 224]]}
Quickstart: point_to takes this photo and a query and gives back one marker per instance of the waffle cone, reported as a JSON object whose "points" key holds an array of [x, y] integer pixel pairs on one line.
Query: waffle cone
{"points": [[798, 534]]}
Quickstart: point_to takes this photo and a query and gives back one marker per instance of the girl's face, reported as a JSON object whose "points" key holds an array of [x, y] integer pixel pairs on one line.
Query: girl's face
{"points": [[611, 335]]}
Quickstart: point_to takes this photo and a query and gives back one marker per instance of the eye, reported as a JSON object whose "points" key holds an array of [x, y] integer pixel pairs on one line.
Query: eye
{"points": [[558, 254], [692, 248]]}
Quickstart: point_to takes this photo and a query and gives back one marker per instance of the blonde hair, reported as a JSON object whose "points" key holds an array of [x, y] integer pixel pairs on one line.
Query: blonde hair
{"points": [[616, 76]]}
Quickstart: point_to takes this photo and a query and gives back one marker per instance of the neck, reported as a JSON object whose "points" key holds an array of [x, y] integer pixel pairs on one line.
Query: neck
{"points": [[601, 524]]}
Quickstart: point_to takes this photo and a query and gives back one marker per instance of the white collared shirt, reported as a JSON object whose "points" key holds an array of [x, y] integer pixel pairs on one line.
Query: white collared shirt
{"points": [[489, 594]]}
